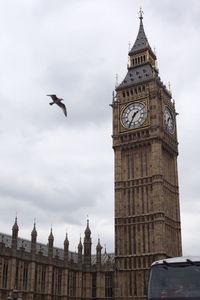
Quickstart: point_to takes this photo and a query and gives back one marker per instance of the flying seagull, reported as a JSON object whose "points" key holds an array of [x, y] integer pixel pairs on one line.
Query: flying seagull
{"points": [[57, 101]]}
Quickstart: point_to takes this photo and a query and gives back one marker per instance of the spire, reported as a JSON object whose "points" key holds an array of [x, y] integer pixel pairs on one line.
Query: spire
{"points": [[98, 252], [80, 246], [15, 230], [51, 235], [142, 61], [87, 244], [66, 241], [80, 249], [15, 226], [99, 247], [34, 233], [141, 42], [87, 230], [33, 239], [51, 239], [66, 249]]}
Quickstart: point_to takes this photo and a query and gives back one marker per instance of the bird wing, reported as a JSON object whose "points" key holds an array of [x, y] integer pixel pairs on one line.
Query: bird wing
{"points": [[53, 97], [62, 105]]}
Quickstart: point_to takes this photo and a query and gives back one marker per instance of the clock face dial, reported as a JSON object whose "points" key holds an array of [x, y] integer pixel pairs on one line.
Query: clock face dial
{"points": [[168, 120], [134, 115]]}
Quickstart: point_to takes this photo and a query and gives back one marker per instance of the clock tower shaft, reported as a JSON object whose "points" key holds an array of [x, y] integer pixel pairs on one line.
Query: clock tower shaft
{"points": [[147, 213]]}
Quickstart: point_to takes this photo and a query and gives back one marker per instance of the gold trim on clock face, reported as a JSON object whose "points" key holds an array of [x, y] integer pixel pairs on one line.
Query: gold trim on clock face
{"points": [[168, 120], [133, 115]]}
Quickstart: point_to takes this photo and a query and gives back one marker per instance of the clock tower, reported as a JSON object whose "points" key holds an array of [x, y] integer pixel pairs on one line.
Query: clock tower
{"points": [[147, 213]]}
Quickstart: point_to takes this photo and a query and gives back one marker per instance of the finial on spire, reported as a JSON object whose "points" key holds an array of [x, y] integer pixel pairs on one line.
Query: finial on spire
{"points": [[140, 13]]}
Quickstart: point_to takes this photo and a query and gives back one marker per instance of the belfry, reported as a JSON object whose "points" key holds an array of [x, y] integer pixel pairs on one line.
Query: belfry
{"points": [[147, 213]]}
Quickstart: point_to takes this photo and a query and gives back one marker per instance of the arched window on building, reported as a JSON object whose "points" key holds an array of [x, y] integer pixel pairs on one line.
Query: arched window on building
{"points": [[5, 274], [59, 281], [25, 276], [17, 274], [43, 281], [108, 285]]}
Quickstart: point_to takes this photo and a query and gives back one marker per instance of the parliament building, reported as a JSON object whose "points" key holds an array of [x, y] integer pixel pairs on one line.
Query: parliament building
{"points": [[147, 212]]}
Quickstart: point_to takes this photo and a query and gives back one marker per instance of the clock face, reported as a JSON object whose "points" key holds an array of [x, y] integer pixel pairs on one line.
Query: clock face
{"points": [[168, 120], [134, 115]]}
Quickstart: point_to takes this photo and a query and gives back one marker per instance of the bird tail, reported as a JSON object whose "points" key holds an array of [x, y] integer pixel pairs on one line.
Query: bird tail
{"points": [[51, 103]]}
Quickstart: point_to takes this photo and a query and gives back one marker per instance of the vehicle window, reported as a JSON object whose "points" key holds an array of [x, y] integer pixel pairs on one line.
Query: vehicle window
{"points": [[174, 282]]}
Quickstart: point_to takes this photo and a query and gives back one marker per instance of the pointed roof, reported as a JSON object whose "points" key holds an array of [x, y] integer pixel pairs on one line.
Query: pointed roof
{"points": [[66, 241], [51, 238], [15, 226], [34, 231], [80, 246], [141, 42], [98, 247], [137, 75], [87, 230]]}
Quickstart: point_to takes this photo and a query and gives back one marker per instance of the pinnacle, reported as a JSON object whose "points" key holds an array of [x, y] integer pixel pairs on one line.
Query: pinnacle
{"points": [[15, 226], [141, 42]]}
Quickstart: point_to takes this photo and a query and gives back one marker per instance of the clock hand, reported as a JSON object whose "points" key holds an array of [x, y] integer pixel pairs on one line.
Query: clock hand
{"points": [[133, 116]]}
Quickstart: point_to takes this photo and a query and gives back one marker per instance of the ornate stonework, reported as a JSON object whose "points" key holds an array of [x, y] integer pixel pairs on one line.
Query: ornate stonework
{"points": [[147, 214]]}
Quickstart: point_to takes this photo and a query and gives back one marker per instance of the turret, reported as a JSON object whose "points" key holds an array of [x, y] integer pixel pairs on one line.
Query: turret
{"points": [[80, 249], [87, 245], [98, 253], [50, 244], [33, 239], [15, 230]]}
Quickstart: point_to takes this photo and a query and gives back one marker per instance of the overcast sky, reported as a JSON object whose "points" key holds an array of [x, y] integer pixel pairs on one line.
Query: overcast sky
{"points": [[60, 170]]}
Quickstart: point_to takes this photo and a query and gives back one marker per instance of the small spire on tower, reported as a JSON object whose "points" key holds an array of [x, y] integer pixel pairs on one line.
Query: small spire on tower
{"points": [[34, 232], [80, 246], [33, 238], [99, 247], [15, 227], [15, 230], [66, 241], [51, 238], [87, 230]]}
